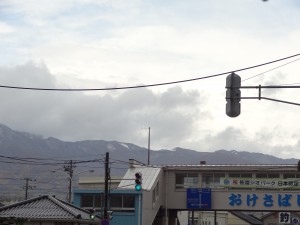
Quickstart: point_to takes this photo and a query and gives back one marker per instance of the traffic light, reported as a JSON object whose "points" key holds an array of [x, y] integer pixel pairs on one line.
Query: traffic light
{"points": [[92, 214], [233, 95], [138, 181]]}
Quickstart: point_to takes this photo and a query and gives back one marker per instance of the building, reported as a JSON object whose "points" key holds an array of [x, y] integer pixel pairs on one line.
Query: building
{"points": [[45, 210], [127, 204], [169, 190]]}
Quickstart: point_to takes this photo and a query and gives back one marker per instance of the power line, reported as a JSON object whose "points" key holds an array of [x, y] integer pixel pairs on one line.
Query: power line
{"points": [[147, 85], [271, 69], [37, 163]]}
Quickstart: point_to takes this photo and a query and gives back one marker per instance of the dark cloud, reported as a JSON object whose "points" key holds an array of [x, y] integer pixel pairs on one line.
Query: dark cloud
{"points": [[77, 116]]}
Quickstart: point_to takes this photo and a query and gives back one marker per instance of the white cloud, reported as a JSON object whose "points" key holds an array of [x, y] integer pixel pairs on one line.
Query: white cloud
{"points": [[5, 28], [92, 44]]}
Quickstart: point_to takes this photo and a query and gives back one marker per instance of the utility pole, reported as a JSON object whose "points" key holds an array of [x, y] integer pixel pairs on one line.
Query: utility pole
{"points": [[27, 186], [107, 177], [70, 169], [149, 146]]}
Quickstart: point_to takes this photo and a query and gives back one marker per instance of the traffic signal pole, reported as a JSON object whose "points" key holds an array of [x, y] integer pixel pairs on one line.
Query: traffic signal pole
{"points": [[233, 94], [259, 87]]}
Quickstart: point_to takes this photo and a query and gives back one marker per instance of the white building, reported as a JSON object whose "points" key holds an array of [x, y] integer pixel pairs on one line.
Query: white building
{"points": [[216, 194], [231, 188]]}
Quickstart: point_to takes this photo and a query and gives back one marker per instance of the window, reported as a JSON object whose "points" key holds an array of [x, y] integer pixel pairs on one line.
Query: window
{"points": [[242, 175], [92, 200], [210, 180], [155, 193], [291, 175], [122, 203], [128, 201], [116, 201], [267, 175], [185, 180]]}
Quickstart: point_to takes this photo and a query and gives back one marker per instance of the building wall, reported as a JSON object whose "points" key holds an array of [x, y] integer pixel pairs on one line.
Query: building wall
{"points": [[271, 219], [226, 199], [152, 200], [119, 217], [97, 182], [202, 217]]}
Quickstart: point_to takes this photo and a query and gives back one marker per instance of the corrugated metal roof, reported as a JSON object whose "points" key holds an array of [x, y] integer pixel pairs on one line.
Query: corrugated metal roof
{"points": [[45, 208], [149, 176]]}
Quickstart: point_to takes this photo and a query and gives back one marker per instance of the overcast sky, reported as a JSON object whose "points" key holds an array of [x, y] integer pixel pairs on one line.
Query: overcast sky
{"points": [[117, 43]]}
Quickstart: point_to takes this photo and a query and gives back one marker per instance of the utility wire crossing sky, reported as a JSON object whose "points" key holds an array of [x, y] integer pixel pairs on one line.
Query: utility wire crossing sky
{"points": [[77, 45]]}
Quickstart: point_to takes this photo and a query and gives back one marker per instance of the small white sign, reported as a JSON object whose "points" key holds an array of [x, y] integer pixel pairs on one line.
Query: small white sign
{"points": [[190, 182], [284, 217]]}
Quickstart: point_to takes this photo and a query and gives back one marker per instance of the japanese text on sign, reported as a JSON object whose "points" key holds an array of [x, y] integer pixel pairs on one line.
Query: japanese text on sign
{"points": [[260, 183], [284, 217], [268, 200]]}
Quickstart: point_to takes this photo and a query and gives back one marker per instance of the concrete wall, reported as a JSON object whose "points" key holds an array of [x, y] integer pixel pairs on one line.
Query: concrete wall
{"points": [[152, 200]]}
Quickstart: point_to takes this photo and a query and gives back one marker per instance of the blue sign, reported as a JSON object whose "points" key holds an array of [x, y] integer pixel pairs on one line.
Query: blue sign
{"points": [[104, 222], [198, 198]]}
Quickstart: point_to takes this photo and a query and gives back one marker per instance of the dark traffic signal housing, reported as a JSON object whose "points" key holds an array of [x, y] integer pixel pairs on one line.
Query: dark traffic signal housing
{"points": [[233, 95], [138, 181]]}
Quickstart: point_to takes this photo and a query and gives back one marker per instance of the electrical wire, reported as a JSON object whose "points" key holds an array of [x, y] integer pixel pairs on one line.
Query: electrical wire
{"points": [[147, 85], [18, 160], [271, 69]]}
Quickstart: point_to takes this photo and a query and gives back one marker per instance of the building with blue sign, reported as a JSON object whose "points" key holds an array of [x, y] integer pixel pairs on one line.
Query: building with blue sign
{"points": [[166, 190]]}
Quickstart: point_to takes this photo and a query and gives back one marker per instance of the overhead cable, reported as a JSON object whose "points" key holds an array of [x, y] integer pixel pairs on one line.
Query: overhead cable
{"points": [[146, 85]]}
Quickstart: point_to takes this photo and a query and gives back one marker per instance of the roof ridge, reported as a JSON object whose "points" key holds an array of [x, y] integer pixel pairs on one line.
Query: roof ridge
{"points": [[66, 206], [23, 202]]}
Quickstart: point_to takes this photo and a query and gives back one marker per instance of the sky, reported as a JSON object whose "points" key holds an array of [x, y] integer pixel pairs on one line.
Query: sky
{"points": [[84, 44]]}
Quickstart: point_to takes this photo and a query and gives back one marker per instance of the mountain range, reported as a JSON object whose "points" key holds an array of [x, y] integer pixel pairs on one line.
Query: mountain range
{"points": [[24, 155], [22, 144]]}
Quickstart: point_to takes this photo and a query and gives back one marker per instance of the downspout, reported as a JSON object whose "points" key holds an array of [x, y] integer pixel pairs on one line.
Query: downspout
{"points": [[140, 211]]}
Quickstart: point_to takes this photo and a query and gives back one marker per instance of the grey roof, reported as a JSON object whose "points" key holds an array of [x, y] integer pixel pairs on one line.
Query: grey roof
{"points": [[149, 177], [46, 207], [248, 218]]}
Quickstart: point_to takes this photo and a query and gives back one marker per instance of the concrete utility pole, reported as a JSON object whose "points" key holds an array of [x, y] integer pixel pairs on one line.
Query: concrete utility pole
{"points": [[148, 146], [69, 168], [27, 186], [107, 177]]}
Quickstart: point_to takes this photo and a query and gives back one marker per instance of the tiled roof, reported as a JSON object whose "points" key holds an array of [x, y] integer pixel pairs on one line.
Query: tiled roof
{"points": [[248, 218], [45, 207]]}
